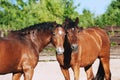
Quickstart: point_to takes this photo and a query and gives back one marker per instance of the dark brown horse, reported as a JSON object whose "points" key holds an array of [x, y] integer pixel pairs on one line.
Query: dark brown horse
{"points": [[90, 44], [19, 51]]}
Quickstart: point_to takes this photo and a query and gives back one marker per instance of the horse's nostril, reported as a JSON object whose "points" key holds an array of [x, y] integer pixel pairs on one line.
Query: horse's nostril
{"points": [[59, 50], [74, 47]]}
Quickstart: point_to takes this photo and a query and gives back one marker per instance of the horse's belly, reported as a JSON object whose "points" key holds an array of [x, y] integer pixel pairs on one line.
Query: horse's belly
{"points": [[9, 65], [84, 63], [87, 60], [5, 68], [5, 71]]}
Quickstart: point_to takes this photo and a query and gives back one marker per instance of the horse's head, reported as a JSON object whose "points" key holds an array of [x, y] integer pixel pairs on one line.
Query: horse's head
{"points": [[72, 30], [58, 39], [72, 37]]}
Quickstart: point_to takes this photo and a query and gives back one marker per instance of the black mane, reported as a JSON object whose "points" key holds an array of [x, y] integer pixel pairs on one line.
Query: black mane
{"points": [[39, 27], [69, 23]]}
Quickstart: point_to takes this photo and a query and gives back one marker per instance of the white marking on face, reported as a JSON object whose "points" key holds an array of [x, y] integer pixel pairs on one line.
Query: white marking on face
{"points": [[73, 29], [60, 32]]}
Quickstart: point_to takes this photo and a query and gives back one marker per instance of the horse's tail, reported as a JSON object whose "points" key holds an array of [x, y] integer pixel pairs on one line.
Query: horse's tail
{"points": [[100, 74]]}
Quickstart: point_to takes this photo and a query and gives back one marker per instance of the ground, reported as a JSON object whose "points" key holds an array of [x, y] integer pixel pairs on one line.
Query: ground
{"points": [[49, 70]]}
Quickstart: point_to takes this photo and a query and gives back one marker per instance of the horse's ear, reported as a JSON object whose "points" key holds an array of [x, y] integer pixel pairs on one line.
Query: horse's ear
{"points": [[54, 24], [63, 25], [77, 21], [66, 20]]}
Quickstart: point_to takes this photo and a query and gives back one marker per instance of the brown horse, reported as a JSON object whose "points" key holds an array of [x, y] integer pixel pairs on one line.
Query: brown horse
{"points": [[19, 51], [65, 57], [59, 32], [90, 44]]}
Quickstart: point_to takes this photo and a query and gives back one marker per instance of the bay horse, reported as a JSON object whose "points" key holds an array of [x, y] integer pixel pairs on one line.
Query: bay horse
{"points": [[19, 51], [64, 58], [90, 44]]}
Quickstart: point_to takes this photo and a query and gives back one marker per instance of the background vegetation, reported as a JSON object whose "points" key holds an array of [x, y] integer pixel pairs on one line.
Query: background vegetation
{"points": [[23, 13]]}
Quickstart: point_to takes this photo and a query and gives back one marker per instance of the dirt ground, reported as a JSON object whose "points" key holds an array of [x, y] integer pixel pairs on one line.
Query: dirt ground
{"points": [[50, 70]]}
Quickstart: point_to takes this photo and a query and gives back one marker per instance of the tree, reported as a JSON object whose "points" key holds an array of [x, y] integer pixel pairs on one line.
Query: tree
{"points": [[111, 16], [86, 19], [22, 14]]}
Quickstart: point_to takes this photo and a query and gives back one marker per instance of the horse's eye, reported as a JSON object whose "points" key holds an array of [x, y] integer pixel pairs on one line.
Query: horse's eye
{"points": [[28, 32], [78, 31], [53, 34], [66, 33]]}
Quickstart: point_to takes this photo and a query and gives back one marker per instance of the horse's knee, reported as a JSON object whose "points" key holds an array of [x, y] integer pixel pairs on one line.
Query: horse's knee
{"points": [[76, 70], [89, 72], [108, 76], [65, 73], [16, 76], [28, 73], [91, 77]]}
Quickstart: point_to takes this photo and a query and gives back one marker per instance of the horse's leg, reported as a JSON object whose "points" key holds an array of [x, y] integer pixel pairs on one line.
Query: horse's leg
{"points": [[106, 63], [89, 72], [65, 73], [76, 70], [16, 76], [75, 65], [28, 73]]}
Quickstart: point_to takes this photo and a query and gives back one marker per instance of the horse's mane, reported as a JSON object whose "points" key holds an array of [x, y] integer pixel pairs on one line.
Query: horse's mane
{"points": [[69, 23], [39, 27]]}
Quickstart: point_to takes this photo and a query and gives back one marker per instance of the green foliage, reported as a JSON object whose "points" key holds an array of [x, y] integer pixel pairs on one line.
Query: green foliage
{"points": [[23, 14], [111, 16], [86, 19], [113, 44]]}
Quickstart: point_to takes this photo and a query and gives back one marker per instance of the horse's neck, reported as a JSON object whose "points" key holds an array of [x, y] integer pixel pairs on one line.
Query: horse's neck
{"points": [[42, 41], [10, 35]]}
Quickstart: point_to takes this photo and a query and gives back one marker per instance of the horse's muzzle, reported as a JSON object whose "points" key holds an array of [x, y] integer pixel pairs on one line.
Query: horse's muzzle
{"points": [[59, 50], [74, 47]]}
